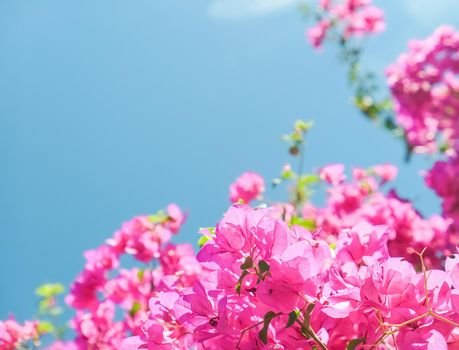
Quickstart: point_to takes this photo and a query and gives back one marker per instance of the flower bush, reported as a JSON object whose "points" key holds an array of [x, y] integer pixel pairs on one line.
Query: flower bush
{"points": [[348, 18], [425, 88], [365, 270]]}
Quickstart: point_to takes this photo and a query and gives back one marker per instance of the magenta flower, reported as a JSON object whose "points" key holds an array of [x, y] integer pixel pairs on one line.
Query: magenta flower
{"points": [[425, 88], [248, 187]]}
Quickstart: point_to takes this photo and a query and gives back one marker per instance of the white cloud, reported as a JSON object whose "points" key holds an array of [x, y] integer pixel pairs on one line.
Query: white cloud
{"points": [[432, 10], [242, 9]]}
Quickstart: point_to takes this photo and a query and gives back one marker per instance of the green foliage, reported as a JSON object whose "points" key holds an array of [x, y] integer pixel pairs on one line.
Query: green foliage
{"points": [[308, 224], [140, 274], [159, 218], [292, 317], [48, 307], [49, 310], [47, 304], [263, 334], [49, 290], [263, 266], [247, 264], [202, 240], [206, 237], [136, 306], [287, 174], [352, 344], [240, 280], [308, 180], [296, 138], [45, 327]]}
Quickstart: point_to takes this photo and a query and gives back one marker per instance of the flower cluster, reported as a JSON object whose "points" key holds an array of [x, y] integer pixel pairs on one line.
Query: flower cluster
{"points": [[103, 288], [14, 335], [365, 270], [444, 180], [425, 88], [350, 275], [271, 286], [361, 200], [351, 18], [247, 187]]}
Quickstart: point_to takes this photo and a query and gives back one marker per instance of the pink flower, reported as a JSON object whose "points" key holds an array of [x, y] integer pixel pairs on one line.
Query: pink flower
{"points": [[333, 174], [98, 329], [386, 172], [422, 338], [248, 187], [425, 88], [369, 20], [363, 244], [13, 334], [349, 18], [317, 34], [176, 217]]}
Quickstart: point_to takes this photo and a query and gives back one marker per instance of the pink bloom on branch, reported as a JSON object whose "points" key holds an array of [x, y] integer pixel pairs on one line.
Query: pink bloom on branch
{"points": [[444, 180], [333, 174], [368, 20], [350, 18], [425, 88], [256, 265], [364, 243], [247, 187], [176, 217], [317, 34], [387, 172], [13, 334], [98, 329]]}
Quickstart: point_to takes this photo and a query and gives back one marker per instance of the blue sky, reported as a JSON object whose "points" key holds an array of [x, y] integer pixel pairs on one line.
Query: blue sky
{"points": [[115, 108]]}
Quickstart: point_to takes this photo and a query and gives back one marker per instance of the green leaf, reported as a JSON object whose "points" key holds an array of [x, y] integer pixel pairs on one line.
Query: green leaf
{"points": [[352, 344], [239, 282], [287, 174], [263, 266], [292, 317], [159, 218], [203, 240], [308, 179], [389, 124], [308, 224], [45, 327], [301, 125], [248, 263], [207, 234], [135, 308], [49, 290], [140, 274], [444, 147], [263, 334], [269, 315]]}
